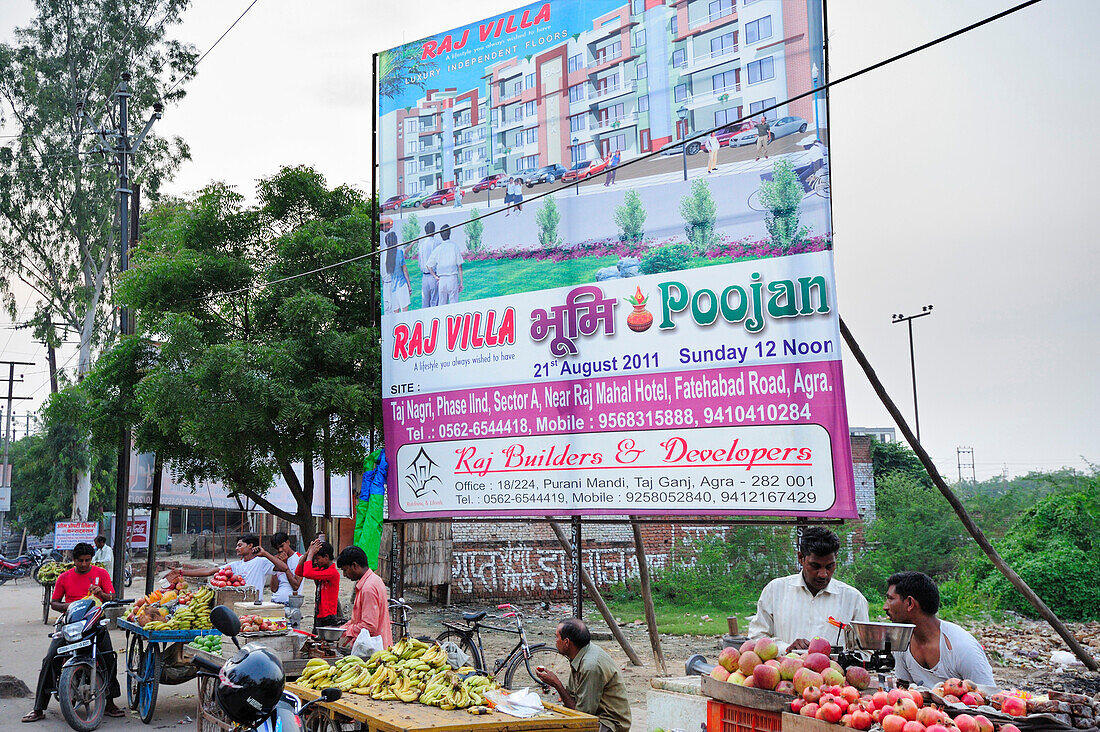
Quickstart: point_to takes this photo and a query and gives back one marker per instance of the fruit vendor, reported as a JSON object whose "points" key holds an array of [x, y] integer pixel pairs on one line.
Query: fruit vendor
{"points": [[320, 567], [284, 582], [254, 568], [370, 610], [595, 683], [83, 580], [797, 608], [938, 650]]}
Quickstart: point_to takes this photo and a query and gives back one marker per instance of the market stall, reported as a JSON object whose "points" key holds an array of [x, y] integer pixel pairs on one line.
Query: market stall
{"points": [[370, 715], [155, 657]]}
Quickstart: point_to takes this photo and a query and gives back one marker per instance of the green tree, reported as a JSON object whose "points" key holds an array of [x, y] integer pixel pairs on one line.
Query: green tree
{"points": [[547, 219], [246, 380], [401, 67], [630, 217], [895, 457], [474, 229], [700, 216], [58, 206], [781, 197]]}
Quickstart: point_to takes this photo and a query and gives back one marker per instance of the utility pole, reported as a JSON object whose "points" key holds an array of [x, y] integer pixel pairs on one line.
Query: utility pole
{"points": [[965, 457], [908, 319], [125, 150], [5, 469]]}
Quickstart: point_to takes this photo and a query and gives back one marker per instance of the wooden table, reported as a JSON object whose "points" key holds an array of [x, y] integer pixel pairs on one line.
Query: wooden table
{"points": [[397, 716]]}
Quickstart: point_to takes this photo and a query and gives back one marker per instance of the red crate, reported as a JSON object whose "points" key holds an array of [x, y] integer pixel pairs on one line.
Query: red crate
{"points": [[723, 717]]}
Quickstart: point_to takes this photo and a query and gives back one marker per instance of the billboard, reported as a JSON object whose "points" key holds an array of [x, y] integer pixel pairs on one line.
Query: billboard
{"points": [[607, 264]]}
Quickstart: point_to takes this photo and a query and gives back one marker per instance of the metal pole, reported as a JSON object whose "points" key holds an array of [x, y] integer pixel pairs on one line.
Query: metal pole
{"points": [[5, 480], [154, 510], [913, 371], [684, 154], [122, 479], [578, 586]]}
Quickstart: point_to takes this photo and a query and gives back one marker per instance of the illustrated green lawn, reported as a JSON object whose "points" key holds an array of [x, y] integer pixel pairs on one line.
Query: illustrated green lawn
{"points": [[498, 277]]}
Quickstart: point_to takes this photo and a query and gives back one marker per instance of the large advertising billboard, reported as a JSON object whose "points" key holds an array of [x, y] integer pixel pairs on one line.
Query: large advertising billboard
{"points": [[607, 266]]}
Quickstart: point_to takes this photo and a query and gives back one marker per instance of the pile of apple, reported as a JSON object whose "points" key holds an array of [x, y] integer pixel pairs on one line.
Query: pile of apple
{"points": [[256, 623], [225, 577], [899, 710], [965, 691], [756, 664]]}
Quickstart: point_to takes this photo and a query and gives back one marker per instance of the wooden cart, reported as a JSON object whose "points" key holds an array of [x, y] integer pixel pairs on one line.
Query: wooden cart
{"points": [[357, 713], [152, 658]]}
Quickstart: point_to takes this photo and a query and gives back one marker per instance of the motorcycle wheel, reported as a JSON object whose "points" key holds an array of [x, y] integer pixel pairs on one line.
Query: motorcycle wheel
{"points": [[319, 720], [128, 576], [81, 705]]}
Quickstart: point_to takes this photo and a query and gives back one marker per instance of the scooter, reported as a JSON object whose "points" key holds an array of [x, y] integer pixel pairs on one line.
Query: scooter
{"points": [[82, 671], [288, 712]]}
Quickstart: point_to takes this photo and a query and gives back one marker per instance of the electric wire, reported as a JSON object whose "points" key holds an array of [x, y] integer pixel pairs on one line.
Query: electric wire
{"points": [[699, 135], [205, 53]]}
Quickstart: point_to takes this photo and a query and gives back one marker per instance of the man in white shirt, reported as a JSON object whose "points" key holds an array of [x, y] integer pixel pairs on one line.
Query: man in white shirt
{"points": [[254, 568], [938, 650], [284, 583], [795, 609], [104, 555], [445, 264], [429, 287]]}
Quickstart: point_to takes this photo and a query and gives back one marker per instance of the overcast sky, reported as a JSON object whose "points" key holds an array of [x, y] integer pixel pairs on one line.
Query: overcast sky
{"points": [[962, 177]]}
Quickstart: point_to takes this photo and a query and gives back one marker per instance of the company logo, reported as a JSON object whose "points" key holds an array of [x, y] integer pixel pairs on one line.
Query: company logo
{"points": [[505, 25], [420, 475], [735, 304], [584, 313]]}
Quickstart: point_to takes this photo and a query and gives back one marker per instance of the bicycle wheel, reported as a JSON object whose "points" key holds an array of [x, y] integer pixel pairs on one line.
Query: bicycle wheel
{"points": [[754, 201], [466, 643], [134, 653], [521, 672]]}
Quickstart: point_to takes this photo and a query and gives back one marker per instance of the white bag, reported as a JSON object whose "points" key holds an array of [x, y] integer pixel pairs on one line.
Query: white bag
{"points": [[366, 645]]}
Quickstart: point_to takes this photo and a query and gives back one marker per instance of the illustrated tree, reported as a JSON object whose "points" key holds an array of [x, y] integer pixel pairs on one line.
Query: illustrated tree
{"points": [[782, 199], [58, 205], [250, 374], [401, 67]]}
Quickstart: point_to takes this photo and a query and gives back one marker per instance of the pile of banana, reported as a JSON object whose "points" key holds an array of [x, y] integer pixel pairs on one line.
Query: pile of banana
{"points": [[448, 690], [319, 675]]}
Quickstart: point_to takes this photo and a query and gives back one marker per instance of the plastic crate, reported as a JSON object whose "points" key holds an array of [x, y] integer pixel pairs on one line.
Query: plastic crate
{"points": [[722, 717]]}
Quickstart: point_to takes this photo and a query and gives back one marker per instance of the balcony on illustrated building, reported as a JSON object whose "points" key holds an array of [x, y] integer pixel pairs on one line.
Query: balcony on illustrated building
{"points": [[608, 92], [718, 16], [703, 61], [613, 123], [727, 95], [508, 124]]}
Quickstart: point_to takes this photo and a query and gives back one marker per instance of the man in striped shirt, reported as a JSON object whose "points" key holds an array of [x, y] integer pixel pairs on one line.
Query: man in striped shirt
{"points": [[795, 609]]}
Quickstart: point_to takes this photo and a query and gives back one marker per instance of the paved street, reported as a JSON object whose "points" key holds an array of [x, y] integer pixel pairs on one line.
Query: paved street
{"points": [[588, 209]]}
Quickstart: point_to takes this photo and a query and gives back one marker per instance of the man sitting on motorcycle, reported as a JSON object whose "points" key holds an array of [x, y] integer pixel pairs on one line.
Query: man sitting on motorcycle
{"points": [[82, 580]]}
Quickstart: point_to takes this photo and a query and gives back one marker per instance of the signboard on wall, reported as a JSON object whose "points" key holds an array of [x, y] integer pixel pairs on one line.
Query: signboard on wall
{"points": [[67, 534], [621, 313]]}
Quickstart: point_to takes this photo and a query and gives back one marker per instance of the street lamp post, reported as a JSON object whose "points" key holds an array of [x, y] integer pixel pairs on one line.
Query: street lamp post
{"points": [[573, 157], [682, 113], [908, 319], [817, 122]]}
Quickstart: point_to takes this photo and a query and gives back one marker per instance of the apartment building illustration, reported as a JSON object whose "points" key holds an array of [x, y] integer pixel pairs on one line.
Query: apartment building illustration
{"points": [[643, 76]]}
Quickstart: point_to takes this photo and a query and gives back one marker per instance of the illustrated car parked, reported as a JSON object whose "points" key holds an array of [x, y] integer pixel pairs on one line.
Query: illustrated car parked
{"points": [[391, 203], [414, 201], [780, 128], [440, 197], [545, 174], [489, 182], [585, 169]]}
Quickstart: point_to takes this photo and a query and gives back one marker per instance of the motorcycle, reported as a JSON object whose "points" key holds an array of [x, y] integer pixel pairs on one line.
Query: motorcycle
{"points": [[82, 671], [13, 570], [253, 698]]}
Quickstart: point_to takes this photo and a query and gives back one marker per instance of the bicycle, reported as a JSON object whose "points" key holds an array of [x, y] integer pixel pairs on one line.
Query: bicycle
{"points": [[399, 620], [518, 667], [814, 184]]}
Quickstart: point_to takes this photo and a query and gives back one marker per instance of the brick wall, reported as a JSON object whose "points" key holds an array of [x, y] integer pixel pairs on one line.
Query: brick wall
{"points": [[523, 559]]}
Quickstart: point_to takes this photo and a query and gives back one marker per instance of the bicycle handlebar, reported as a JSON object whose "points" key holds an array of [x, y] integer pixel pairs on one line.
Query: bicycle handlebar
{"points": [[506, 606]]}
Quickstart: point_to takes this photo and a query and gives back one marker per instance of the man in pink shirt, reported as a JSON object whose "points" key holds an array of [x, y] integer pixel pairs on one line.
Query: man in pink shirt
{"points": [[371, 609]]}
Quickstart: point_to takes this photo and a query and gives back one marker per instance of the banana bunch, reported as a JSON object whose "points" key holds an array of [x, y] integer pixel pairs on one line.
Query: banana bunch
{"points": [[447, 690], [196, 614], [50, 571], [317, 674], [158, 625]]}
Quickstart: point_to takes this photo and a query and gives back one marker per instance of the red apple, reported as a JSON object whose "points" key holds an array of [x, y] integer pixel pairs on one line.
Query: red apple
{"points": [[747, 662], [820, 645], [727, 659], [719, 673], [816, 662], [765, 676], [858, 677], [785, 687], [797, 704]]}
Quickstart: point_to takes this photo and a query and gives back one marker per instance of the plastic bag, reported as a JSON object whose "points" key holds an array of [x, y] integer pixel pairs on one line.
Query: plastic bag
{"points": [[523, 703], [456, 657], [366, 645]]}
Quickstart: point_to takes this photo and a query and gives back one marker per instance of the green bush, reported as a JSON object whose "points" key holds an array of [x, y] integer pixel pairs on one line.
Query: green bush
{"points": [[700, 215], [474, 228], [669, 258], [547, 218], [409, 231], [630, 218], [781, 198]]}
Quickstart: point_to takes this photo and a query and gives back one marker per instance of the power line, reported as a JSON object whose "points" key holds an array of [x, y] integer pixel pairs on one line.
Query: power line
{"points": [[204, 55], [699, 135]]}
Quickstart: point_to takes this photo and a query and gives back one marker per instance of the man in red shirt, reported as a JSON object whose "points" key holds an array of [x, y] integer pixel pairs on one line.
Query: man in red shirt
{"points": [[319, 567], [82, 580]]}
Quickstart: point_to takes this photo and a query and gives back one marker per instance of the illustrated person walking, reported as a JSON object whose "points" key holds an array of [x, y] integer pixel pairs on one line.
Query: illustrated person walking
{"points": [[711, 144], [514, 196], [763, 137], [429, 289], [458, 196], [445, 264], [396, 272], [612, 168]]}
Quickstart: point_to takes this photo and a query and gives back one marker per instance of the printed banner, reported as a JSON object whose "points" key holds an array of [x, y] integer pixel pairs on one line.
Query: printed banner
{"points": [[67, 534], [607, 271]]}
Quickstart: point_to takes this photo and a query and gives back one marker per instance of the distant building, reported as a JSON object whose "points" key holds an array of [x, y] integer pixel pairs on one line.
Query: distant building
{"points": [[882, 434], [646, 74]]}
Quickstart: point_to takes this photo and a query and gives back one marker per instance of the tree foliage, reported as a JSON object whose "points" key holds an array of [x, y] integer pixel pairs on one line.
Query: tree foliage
{"points": [[781, 198], [245, 380], [700, 214]]}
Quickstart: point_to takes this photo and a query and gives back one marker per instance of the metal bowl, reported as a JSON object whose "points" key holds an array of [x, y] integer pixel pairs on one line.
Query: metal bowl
{"points": [[873, 636], [329, 634]]}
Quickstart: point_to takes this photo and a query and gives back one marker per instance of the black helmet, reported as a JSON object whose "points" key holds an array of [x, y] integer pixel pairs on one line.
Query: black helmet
{"points": [[250, 684]]}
